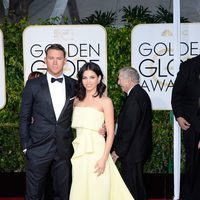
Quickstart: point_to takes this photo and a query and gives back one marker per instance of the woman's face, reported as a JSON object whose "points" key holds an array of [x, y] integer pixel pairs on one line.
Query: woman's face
{"points": [[90, 80]]}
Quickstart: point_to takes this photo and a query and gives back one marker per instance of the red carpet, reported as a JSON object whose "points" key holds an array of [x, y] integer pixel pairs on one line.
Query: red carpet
{"points": [[11, 198]]}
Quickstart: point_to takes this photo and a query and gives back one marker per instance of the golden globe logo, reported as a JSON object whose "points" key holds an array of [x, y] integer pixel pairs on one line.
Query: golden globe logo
{"points": [[153, 57], [77, 53], [80, 42]]}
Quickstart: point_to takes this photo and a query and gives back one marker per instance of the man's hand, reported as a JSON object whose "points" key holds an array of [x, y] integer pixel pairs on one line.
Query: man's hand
{"points": [[114, 156], [102, 130], [199, 145], [183, 123]]}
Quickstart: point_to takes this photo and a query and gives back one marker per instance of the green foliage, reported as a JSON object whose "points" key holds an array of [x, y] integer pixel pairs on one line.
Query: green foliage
{"points": [[119, 55], [52, 21], [162, 143], [14, 68], [12, 158], [135, 15], [139, 14], [103, 18], [164, 16]]}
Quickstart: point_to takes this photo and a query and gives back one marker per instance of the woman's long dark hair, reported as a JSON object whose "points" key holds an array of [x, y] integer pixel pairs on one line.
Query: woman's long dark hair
{"points": [[101, 87]]}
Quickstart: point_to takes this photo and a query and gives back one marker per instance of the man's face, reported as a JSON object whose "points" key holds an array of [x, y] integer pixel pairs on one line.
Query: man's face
{"points": [[55, 62], [124, 83]]}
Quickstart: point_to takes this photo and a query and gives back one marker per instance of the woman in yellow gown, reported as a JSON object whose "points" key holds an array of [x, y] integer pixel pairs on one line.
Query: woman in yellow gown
{"points": [[94, 174]]}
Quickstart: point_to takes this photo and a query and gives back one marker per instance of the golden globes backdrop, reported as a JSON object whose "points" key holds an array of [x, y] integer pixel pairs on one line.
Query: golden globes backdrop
{"points": [[153, 57], [2, 74], [83, 43]]}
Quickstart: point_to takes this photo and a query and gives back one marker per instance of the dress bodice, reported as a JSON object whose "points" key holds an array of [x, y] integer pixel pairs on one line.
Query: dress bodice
{"points": [[87, 121], [88, 118]]}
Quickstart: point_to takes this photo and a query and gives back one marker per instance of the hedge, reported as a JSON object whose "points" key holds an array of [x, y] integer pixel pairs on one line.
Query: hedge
{"points": [[119, 55]]}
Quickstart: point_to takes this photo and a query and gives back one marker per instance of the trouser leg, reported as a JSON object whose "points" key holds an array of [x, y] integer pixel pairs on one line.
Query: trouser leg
{"points": [[36, 175], [61, 174], [133, 177]]}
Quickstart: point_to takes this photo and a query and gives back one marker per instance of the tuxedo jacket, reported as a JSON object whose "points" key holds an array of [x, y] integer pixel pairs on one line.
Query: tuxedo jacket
{"points": [[133, 140], [186, 92], [186, 104], [45, 134]]}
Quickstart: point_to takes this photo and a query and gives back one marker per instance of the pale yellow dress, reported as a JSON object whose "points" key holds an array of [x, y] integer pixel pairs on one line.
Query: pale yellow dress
{"points": [[88, 149]]}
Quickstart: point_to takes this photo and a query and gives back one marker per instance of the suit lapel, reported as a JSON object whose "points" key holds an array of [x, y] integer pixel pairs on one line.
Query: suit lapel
{"points": [[68, 91], [46, 93], [123, 105], [126, 101]]}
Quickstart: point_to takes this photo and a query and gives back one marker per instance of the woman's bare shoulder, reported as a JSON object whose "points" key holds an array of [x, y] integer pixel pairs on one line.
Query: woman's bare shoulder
{"points": [[106, 100], [76, 101]]}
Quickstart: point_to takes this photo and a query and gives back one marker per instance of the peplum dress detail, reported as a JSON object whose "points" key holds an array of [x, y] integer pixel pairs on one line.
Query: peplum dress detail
{"points": [[88, 149]]}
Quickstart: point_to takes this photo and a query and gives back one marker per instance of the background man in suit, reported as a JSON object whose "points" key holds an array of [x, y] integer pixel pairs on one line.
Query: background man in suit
{"points": [[133, 140], [47, 140], [186, 108]]}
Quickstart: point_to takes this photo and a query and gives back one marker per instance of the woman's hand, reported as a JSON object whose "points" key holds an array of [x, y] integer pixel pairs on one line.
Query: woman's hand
{"points": [[100, 166]]}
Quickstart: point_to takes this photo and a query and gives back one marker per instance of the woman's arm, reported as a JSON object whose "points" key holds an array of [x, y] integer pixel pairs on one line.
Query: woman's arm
{"points": [[109, 123]]}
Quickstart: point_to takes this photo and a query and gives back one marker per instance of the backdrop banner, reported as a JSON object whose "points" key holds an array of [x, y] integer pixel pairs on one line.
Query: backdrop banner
{"points": [[83, 43], [152, 54], [2, 73]]}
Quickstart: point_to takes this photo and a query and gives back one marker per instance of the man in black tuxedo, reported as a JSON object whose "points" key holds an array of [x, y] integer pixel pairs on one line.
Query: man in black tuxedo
{"points": [[186, 108], [45, 127], [133, 140]]}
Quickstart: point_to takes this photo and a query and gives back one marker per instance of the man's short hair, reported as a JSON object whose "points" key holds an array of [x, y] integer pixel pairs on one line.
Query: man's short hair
{"points": [[130, 73]]}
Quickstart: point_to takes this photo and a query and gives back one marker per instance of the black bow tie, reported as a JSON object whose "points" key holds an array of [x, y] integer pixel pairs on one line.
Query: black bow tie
{"points": [[57, 79]]}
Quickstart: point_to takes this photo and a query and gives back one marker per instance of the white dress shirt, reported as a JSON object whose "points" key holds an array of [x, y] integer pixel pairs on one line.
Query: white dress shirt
{"points": [[57, 92], [129, 90]]}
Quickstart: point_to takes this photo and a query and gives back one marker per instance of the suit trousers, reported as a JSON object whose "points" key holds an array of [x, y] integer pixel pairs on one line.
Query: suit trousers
{"points": [[191, 183], [37, 172], [132, 174]]}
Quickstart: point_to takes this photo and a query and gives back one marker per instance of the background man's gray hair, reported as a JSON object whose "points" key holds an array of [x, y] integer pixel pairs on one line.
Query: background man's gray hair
{"points": [[130, 73]]}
